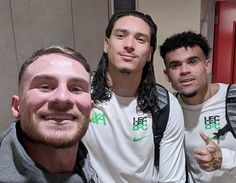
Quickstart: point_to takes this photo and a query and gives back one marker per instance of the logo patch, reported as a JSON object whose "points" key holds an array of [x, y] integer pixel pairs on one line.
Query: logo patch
{"points": [[99, 118], [212, 122], [136, 139], [140, 128], [140, 123]]}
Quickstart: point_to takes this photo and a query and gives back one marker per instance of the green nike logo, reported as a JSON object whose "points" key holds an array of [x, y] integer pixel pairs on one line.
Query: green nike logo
{"points": [[136, 139]]}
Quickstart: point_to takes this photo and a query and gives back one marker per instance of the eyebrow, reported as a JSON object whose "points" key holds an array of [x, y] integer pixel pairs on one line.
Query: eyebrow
{"points": [[43, 76], [120, 30], [126, 31], [50, 78], [189, 58], [194, 57], [82, 81]]}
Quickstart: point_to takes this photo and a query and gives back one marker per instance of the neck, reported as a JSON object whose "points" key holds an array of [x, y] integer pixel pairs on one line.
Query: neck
{"points": [[203, 95], [53, 159], [125, 85]]}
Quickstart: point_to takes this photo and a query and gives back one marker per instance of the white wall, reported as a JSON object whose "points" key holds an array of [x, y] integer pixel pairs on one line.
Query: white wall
{"points": [[171, 16], [26, 26]]}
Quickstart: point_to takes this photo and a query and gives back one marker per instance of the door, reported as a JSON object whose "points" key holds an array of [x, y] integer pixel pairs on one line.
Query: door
{"points": [[224, 64]]}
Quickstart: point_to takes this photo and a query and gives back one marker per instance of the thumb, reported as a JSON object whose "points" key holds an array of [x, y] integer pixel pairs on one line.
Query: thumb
{"points": [[205, 138]]}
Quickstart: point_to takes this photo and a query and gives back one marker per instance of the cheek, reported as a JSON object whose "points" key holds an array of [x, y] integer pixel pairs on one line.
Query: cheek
{"points": [[144, 52], [203, 71], [30, 103], [84, 104], [111, 53], [172, 76]]}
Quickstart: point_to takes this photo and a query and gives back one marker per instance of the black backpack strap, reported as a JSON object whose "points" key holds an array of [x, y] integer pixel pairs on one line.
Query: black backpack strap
{"points": [[230, 112], [160, 119], [231, 108]]}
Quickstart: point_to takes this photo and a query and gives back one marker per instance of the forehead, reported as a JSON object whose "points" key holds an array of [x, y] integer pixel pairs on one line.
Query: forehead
{"points": [[184, 53], [56, 64], [132, 23]]}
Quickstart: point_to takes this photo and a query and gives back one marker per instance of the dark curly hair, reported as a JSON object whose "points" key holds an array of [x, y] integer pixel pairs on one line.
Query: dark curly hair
{"points": [[146, 98], [184, 39]]}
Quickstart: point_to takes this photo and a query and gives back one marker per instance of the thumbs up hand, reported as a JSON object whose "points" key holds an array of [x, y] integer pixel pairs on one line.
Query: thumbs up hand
{"points": [[209, 157]]}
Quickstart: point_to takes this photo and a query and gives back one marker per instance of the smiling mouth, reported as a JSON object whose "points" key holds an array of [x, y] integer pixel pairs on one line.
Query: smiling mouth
{"points": [[126, 56], [59, 117], [187, 80]]}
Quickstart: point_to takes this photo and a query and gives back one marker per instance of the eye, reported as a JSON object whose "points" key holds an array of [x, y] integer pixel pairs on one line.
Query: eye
{"points": [[193, 61], [76, 89], [141, 40], [45, 87], [119, 36], [174, 65]]}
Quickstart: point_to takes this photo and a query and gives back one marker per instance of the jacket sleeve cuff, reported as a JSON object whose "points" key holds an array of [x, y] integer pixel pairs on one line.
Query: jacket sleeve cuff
{"points": [[228, 161]]}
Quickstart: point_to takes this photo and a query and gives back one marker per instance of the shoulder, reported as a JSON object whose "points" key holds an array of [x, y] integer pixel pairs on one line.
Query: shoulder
{"points": [[8, 131], [176, 118], [223, 86], [175, 108], [167, 100], [163, 95], [173, 99]]}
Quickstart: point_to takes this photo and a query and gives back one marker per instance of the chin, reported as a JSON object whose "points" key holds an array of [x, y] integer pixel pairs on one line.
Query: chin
{"points": [[125, 71], [70, 137], [56, 138], [189, 94], [62, 139]]}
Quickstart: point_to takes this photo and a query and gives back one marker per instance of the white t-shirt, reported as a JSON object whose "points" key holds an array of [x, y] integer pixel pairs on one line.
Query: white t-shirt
{"points": [[120, 143], [209, 117]]}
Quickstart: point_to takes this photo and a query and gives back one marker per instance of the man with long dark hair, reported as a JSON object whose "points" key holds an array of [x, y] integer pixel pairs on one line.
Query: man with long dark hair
{"points": [[120, 136]]}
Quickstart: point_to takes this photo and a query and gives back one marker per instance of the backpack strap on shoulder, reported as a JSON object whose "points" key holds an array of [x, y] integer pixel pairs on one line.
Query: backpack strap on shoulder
{"points": [[160, 119], [230, 112], [231, 108]]}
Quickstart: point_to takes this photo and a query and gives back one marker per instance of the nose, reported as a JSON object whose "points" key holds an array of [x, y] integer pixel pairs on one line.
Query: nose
{"points": [[61, 99], [184, 70], [129, 44]]}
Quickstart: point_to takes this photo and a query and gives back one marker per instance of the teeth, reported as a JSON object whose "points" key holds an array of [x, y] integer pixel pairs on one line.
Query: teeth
{"points": [[59, 117]]}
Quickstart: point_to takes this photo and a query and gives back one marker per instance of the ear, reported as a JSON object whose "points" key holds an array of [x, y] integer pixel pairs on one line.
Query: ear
{"points": [[166, 75], [150, 54], [15, 108], [208, 66], [105, 44]]}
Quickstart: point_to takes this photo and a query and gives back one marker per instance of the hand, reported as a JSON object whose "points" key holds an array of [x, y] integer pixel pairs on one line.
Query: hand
{"points": [[209, 157]]}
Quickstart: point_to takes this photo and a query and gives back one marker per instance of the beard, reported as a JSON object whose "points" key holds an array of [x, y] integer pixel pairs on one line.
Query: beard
{"points": [[189, 95], [125, 71], [56, 137]]}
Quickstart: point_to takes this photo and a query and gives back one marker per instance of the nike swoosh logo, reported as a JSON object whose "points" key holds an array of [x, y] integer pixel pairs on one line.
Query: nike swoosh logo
{"points": [[136, 139]]}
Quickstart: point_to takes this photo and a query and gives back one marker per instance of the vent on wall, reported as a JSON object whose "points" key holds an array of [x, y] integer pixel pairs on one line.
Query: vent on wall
{"points": [[121, 5]]}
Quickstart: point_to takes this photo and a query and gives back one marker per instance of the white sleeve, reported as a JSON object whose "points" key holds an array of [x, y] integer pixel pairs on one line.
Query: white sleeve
{"points": [[172, 154], [228, 161]]}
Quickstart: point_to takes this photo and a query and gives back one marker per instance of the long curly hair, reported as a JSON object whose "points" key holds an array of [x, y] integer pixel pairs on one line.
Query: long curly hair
{"points": [[146, 95]]}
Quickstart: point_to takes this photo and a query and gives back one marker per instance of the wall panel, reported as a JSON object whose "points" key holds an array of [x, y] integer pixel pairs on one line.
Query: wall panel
{"points": [[8, 64], [90, 24], [41, 23], [28, 25]]}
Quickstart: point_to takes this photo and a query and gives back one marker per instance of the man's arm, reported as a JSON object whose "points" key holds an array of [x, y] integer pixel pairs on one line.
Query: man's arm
{"points": [[172, 155], [212, 157], [228, 161]]}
